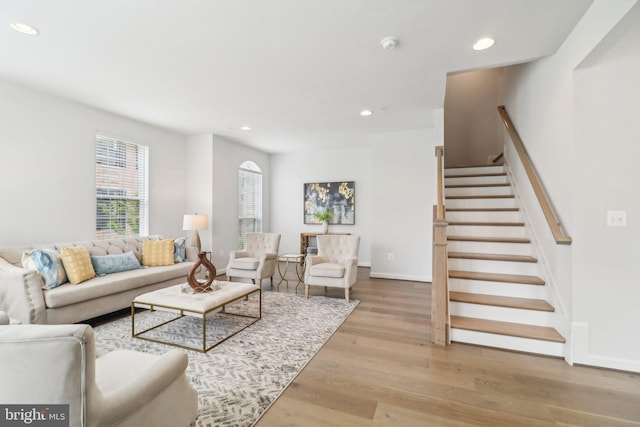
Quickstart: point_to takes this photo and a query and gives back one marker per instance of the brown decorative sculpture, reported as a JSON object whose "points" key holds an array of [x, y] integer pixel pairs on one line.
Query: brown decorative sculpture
{"points": [[197, 285]]}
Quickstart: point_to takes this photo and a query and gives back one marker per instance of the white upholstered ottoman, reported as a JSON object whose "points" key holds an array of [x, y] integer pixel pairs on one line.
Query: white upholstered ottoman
{"points": [[174, 299]]}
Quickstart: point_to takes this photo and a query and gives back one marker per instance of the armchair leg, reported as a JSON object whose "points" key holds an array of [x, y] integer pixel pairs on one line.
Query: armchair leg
{"points": [[306, 291], [346, 295]]}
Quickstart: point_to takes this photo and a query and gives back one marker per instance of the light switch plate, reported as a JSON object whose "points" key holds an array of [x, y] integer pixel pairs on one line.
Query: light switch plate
{"points": [[616, 218]]}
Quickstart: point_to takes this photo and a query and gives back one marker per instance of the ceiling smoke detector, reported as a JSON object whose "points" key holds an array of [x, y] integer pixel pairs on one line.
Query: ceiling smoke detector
{"points": [[389, 42]]}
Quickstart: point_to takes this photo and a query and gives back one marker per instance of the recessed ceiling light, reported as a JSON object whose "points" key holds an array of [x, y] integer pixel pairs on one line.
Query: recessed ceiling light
{"points": [[245, 127], [483, 44], [24, 28], [366, 112]]}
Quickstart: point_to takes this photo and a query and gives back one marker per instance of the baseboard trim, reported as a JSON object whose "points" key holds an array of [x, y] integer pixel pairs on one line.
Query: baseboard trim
{"points": [[580, 352], [392, 276]]}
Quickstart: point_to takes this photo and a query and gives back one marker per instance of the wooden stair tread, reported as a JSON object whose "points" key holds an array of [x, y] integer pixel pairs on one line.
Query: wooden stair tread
{"points": [[492, 257], [482, 209], [507, 328], [500, 301], [496, 277], [481, 196], [488, 223], [489, 239], [475, 175], [477, 185]]}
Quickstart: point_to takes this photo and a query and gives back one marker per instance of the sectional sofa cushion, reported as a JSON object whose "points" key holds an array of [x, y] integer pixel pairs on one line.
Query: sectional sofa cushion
{"points": [[77, 264], [180, 249], [157, 252], [108, 264], [47, 262]]}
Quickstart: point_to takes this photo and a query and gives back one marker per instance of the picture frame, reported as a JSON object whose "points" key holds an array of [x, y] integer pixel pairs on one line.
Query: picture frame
{"points": [[337, 196]]}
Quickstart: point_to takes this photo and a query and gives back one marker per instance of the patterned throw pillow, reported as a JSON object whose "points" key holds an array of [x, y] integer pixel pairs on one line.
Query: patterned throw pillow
{"points": [[108, 264], [47, 262], [77, 264], [180, 249], [157, 252]]}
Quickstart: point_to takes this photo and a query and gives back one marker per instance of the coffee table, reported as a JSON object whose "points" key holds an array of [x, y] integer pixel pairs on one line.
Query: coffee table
{"points": [[177, 299]]}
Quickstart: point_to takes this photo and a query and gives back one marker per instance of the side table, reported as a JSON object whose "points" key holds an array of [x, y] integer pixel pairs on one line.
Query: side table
{"points": [[288, 258]]}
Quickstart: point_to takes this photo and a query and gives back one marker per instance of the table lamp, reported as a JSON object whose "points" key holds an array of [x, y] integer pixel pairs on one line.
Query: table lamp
{"points": [[195, 222]]}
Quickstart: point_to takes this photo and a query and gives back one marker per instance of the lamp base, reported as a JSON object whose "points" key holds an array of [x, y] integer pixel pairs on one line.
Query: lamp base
{"points": [[196, 240]]}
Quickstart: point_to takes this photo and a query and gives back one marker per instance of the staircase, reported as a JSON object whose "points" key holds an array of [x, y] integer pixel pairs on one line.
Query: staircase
{"points": [[497, 297]]}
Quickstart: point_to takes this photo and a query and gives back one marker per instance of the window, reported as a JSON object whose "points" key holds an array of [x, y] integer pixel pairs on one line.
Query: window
{"points": [[122, 188], [249, 200]]}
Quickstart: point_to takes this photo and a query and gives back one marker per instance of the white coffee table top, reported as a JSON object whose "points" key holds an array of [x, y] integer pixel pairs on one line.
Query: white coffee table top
{"points": [[174, 297]]}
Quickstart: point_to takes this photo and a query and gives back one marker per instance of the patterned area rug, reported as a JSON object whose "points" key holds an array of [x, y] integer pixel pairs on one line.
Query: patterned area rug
{"points": [[238, 380]]}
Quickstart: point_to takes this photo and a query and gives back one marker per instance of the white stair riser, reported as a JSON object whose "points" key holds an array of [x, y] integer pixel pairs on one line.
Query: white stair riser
{"points": [[486, 231], [480, 216], [502, 314], [477, 191], [511, 343], [474, 180], [473, 170], [480, 203], [490, 247], [496, 288], [503, 267]]}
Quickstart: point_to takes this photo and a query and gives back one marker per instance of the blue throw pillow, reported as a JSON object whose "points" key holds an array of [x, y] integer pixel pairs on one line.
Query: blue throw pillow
{"points": [[180, 249], [114, 263], [47, 262]]}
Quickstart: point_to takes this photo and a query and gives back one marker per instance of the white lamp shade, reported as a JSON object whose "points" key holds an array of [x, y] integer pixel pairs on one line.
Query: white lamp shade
{"points": [[195, 222]]}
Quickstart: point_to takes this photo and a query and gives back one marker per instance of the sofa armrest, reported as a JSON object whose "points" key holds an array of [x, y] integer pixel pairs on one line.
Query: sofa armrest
{"points": [[21, 294], [269, 256], [350, 270], [155, 374], [238, 254]]}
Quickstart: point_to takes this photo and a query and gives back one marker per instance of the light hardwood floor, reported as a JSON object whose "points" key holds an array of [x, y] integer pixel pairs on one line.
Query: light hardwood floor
{"points": [[380, 369]]}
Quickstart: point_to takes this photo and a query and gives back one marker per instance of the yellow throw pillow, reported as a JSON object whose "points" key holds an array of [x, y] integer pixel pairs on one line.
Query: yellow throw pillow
{"points": [[77, 263], [157, 252]]}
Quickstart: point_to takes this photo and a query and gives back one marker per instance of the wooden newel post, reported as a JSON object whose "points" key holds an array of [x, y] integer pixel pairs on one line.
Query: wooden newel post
{"points": [[440, 283]]}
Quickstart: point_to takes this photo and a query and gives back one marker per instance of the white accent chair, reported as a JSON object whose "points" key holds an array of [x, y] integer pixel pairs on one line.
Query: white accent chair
{"points": [[56, 364], [258, 260], [336, 264]]}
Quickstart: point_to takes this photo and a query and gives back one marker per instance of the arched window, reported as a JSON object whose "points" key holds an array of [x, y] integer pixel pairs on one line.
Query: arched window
{"points": [[249, 200]]}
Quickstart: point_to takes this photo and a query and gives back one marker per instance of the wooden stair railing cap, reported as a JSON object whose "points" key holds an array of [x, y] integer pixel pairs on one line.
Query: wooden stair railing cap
{"points": [[554, 223]]}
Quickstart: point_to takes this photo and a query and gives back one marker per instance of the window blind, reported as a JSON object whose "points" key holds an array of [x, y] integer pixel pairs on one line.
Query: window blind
{"points": [[249, 200], [122, 188]]}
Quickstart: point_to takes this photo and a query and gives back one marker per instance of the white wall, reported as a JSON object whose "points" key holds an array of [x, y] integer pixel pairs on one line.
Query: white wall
{"points": [[395, 191], [289, 172], [199, 189], [607, 133], [47, 168], [224, 228], [403, 182], [580, 128], [472, 124]]}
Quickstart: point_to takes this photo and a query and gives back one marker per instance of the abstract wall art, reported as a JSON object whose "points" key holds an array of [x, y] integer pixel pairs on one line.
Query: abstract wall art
{"points": [[338, 197]]}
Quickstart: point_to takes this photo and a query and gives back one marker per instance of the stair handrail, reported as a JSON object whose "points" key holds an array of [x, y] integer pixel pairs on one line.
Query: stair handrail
{"points": [[560, 236]]}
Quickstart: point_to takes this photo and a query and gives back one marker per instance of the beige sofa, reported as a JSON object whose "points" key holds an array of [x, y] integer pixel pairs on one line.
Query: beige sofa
{"points": [[23, 299]]}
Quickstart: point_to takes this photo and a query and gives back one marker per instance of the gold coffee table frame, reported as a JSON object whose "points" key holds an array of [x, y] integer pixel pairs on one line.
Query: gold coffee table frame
{"points": [[196, 313]]}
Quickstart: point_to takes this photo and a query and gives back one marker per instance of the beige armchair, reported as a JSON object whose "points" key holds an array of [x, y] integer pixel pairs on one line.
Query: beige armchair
{"points": [[56, 364], [258, 260], [336, 264]]}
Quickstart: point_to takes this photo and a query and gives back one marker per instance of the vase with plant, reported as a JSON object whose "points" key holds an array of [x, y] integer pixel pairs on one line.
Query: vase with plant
{"points": [[324, 217]]}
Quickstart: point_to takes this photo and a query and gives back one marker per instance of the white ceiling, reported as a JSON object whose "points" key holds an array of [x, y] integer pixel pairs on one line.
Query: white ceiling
{"points": [[297, 71]]}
